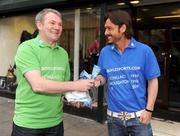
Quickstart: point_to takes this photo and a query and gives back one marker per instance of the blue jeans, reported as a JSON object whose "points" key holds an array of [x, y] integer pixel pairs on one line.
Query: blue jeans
{"points": [[131, 127], [52, 131]]}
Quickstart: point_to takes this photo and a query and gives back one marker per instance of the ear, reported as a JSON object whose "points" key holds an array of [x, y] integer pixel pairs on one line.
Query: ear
{"points": [[39, 25], [123, 28]]}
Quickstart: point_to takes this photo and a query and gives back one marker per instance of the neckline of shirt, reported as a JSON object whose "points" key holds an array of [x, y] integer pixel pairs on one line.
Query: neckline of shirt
{"points": [[41, 43], [131, 45]]}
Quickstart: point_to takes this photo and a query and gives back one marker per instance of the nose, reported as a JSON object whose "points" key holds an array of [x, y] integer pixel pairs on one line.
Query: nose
{"points": [[56, 26], [106, 32]]}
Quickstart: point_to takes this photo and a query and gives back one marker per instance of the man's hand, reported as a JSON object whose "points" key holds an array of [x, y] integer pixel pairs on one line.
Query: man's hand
{"points": [[74, 104], [97, 83], [145, 117], [99, 80], [83, 85]]}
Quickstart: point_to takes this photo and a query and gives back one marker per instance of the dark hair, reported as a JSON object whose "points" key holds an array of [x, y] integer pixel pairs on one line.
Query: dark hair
{"points": [[120, 17], [25, 35], [36, 32]]}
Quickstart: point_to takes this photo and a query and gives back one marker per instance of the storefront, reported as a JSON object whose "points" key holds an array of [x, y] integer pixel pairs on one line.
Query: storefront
{"points": [[155, 23]]}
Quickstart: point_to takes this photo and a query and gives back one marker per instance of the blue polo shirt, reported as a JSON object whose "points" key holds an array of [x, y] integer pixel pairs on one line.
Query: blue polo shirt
{"points": [[127, 74]]}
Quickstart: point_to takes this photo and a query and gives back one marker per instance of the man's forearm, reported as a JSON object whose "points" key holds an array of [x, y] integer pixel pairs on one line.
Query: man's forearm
{"points": [[53, 87], [152, 93], [42, 85]]}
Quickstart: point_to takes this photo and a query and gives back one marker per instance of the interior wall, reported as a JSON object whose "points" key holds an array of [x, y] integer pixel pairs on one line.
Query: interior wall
{"points": [[10, 32]]}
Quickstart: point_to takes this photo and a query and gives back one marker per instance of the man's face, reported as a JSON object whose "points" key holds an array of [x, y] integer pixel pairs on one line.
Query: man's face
{"points": [[113, 32], [50, 28]]}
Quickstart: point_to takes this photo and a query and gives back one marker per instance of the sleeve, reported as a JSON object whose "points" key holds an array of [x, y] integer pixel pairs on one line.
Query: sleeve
{"points": [[67, 73], [26, 58], [151, 65], [101, 64]]}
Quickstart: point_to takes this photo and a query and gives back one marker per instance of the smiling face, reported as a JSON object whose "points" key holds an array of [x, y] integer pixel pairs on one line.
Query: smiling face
{"points": [[50, 28], [114, 33]]}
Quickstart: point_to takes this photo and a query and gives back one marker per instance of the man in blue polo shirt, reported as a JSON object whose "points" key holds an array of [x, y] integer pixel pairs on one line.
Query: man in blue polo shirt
{"points": [[127, 65]]}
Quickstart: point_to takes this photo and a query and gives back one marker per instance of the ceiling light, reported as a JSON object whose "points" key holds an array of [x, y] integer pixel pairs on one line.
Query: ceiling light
{"points": [[138, 19], [121, 4], [176, 11], [162, 17], [134, 2], [89, 8], [145, 9], [176, 27]]}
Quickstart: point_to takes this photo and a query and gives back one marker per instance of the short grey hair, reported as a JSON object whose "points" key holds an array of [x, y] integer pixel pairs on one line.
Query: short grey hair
{"points": [[40, 16]]}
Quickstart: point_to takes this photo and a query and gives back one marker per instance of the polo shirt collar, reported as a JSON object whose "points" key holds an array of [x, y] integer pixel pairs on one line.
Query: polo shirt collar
{"points": [[42, 44], [131, 44]]}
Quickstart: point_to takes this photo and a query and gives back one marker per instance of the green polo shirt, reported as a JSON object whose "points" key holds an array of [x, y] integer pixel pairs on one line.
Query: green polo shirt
{"points": [[37, 110]]}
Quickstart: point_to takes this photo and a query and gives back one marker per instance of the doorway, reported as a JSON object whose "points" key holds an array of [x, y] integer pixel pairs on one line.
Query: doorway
{"points": [[174, 69], [166, 46]]}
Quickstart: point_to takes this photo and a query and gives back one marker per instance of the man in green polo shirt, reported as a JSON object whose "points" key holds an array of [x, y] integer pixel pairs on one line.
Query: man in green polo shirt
{"points": [[42, 75]]}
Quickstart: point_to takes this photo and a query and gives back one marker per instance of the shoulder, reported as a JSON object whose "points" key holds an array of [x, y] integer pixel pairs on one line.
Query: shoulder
{"points": [[26, 45], [27, 48], [141, 46], [107, 48], [62, 50]]}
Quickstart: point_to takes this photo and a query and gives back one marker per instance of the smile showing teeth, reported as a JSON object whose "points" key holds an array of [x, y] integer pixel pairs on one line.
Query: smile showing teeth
{"points": [[55, 33], [109, 37]]}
